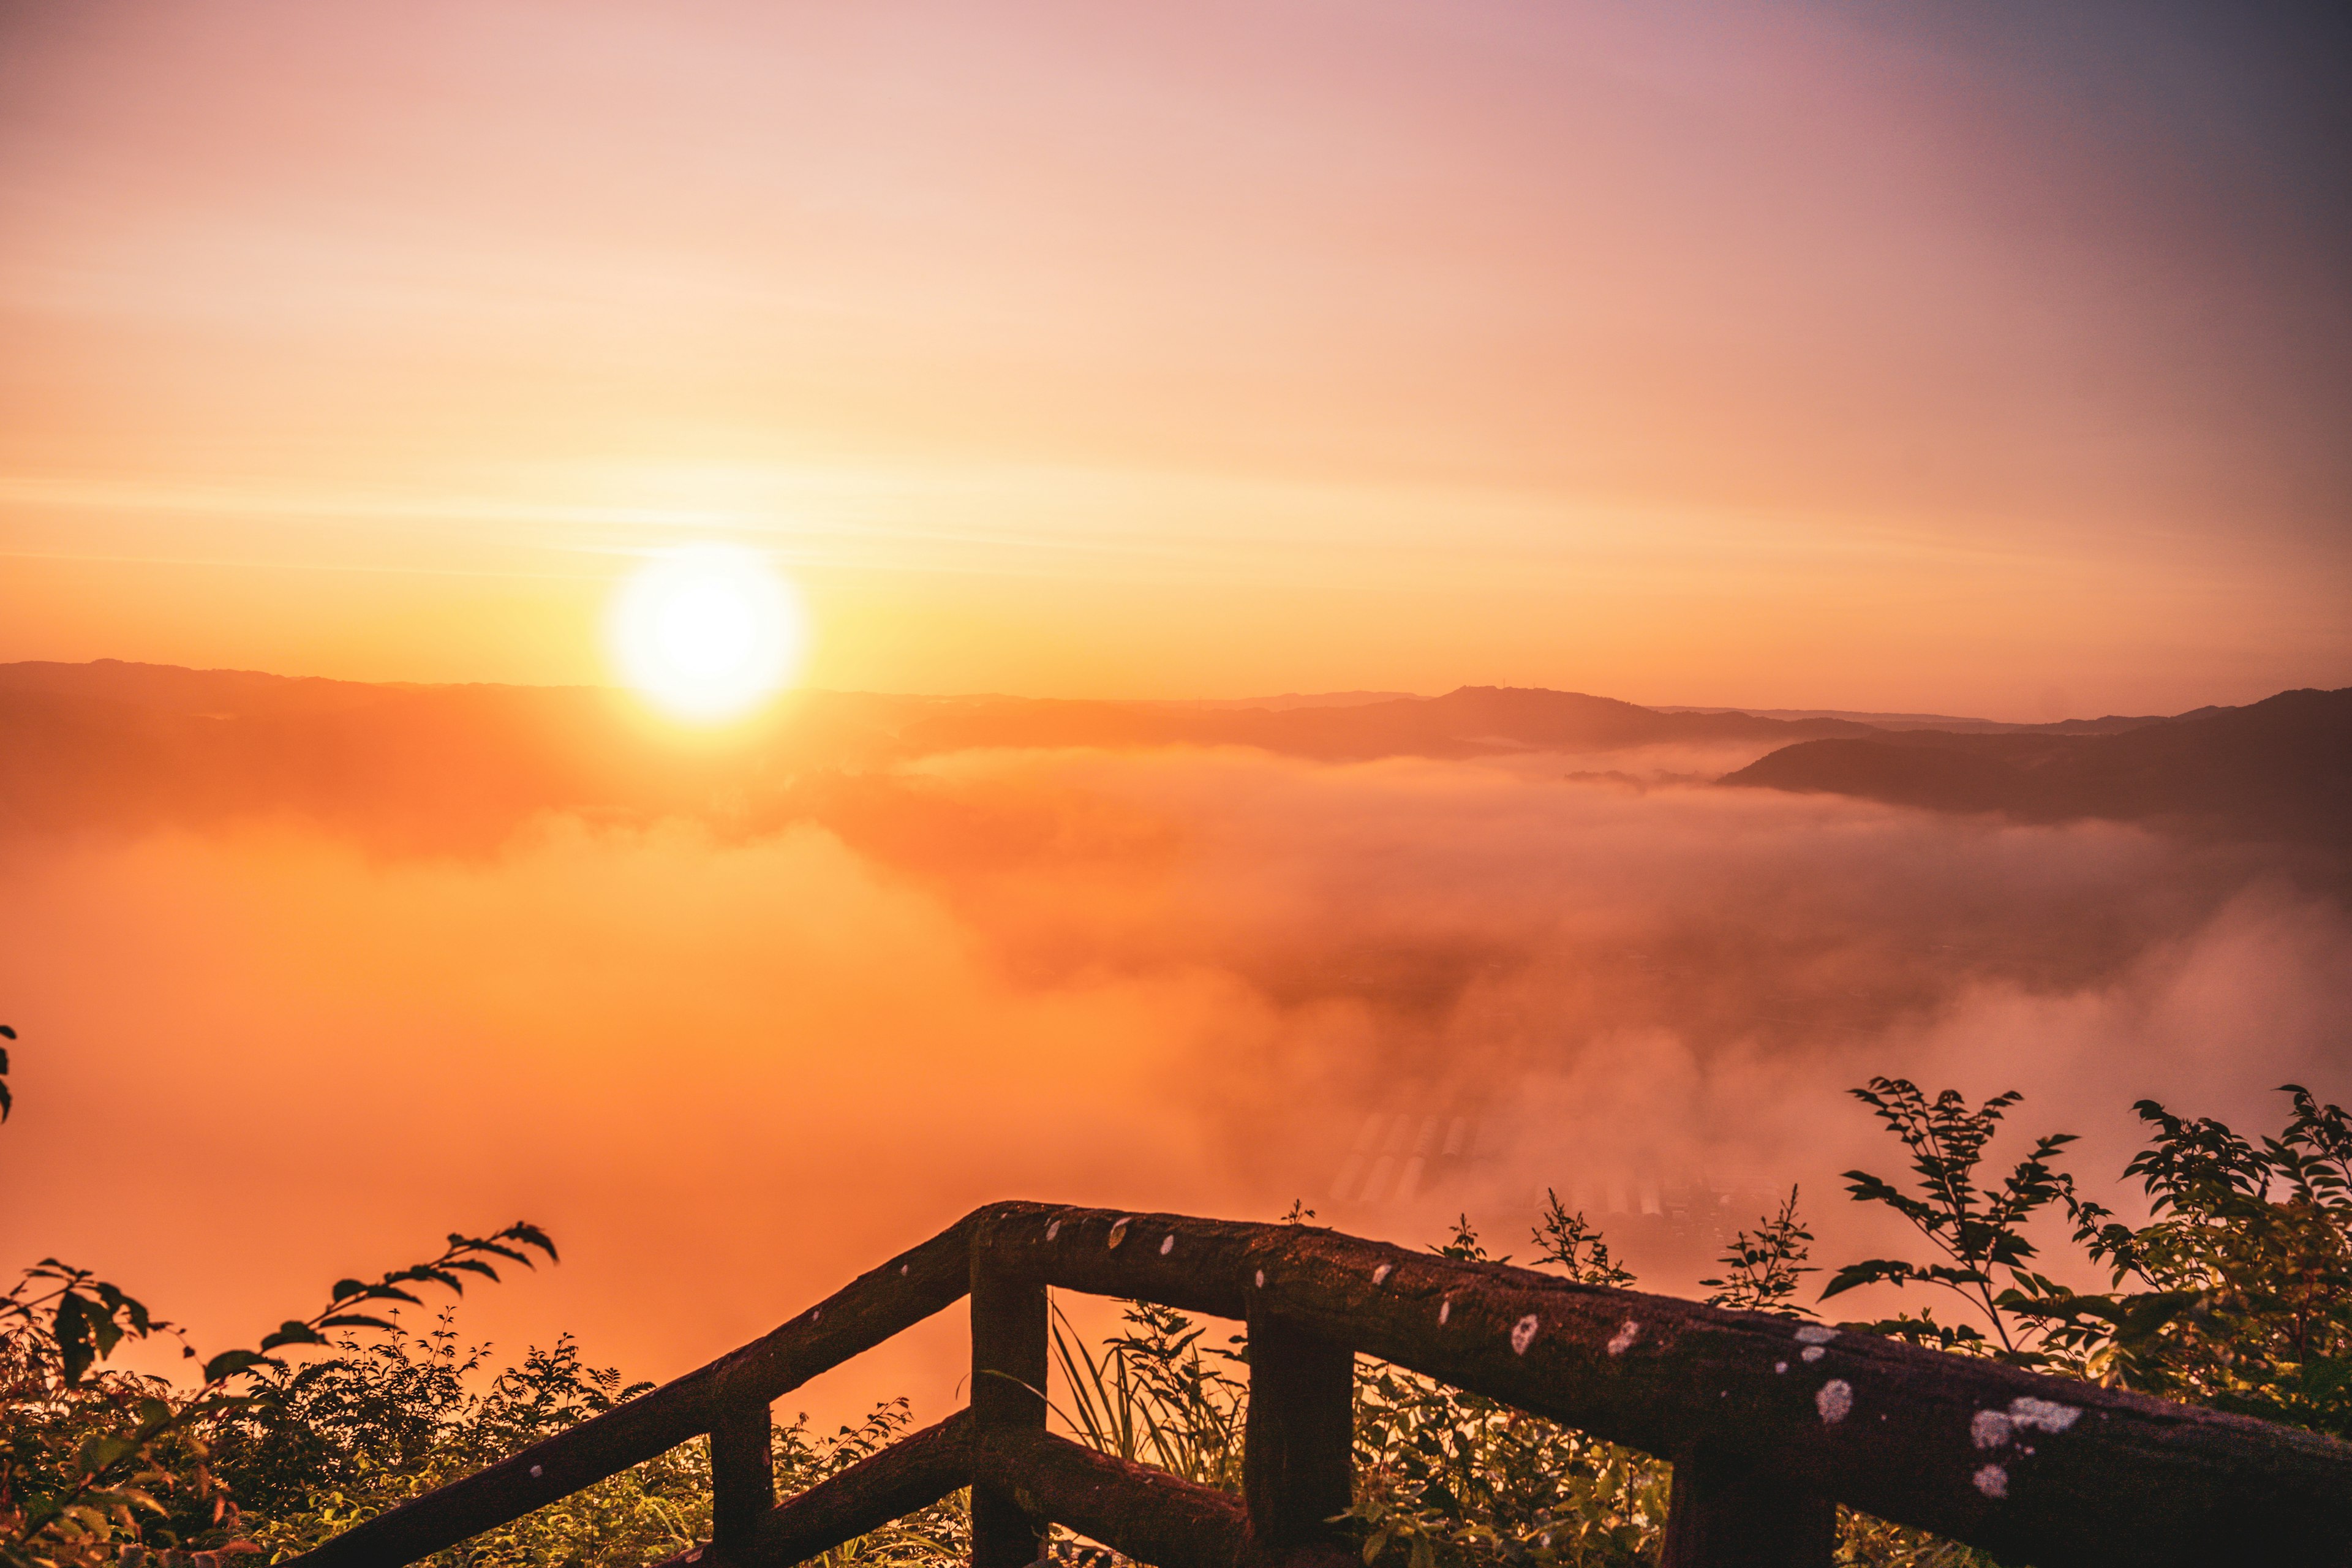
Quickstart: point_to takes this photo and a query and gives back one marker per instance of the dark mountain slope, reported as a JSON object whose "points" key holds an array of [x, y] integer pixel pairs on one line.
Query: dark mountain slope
{"points": [[2280, 769], [169, 689]]}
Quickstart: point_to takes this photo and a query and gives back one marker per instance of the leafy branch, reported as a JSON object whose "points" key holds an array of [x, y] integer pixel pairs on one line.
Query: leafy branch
{"points": [[1977, 1225], [1575, 1244], [1761, 1266], [463, 1254]]}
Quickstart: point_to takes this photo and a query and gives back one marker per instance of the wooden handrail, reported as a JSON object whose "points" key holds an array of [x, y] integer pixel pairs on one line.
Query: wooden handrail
{"points": [[1768, 1421], [1153, 1516], [1146, 1513], [2044, 1469], [909, 1475]]}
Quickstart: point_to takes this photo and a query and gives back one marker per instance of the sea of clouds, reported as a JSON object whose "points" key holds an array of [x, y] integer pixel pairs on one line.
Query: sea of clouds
{"points": [[730, 1068]]}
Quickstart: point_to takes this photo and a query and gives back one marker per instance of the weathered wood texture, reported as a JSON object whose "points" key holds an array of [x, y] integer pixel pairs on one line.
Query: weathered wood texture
{"points": [[742, 1479], [871, 1309], [1008, 1395], [911, 1474], [1298, 1456], [1727, 1515], [1149, 1514], [2036, 1468]]}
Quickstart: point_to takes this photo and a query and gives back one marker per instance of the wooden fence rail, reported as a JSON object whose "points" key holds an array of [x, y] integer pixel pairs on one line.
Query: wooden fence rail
{"points": [[1770, 1423]]}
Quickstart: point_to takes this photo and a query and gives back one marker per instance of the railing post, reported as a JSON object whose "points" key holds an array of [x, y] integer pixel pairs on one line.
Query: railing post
{"points": [[1298, 1447], [742, 1479], [1008, 1384], [1727, 1514]]}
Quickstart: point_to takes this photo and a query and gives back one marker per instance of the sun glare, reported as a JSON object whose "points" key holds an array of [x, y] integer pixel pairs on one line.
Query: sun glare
{"points": [[707, 632]]}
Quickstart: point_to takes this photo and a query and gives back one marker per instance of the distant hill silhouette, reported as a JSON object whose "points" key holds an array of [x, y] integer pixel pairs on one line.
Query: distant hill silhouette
{"points": [[132, 745], [1294, 700], [167, 687], [2108, 725], [1474, 720], [2277, 769]]}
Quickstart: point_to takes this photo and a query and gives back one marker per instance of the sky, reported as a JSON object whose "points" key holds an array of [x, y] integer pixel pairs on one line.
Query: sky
{"points": [[1776, 354]]}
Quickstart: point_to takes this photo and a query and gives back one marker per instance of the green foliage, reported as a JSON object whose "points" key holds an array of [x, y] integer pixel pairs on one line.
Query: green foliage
{"points": [[1448, 1479], [2243, 1270], [395, 1405], [267, 1455], [393, 1418], [1867, 1542], [1155, 1396], [463, 1254], [1445, 1478], [82, 1463], [95, 1458], [1464, 1246], [86, 1317]]}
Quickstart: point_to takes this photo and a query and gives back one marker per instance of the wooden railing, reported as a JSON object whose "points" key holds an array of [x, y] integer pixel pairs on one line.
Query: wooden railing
{"points": [[1770, 1423]]}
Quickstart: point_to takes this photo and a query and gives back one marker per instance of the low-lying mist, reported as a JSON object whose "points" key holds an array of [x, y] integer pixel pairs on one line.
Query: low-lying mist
{"points": [[727, 1069]]}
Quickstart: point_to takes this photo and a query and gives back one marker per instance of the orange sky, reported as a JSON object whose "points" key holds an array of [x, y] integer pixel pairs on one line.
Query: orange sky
{"points": [[1770, 353]]}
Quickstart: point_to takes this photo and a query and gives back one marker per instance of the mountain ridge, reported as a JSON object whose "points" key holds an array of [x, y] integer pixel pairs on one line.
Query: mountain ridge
{"points": [[221, 689], [112, 744], [2280, 769]]}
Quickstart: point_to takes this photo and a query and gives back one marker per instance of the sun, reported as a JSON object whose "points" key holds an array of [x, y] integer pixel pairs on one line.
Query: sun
{"points": [[707, 631]]}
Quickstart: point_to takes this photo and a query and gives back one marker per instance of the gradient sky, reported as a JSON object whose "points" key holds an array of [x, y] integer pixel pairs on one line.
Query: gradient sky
{"points": [[1990, 358]]}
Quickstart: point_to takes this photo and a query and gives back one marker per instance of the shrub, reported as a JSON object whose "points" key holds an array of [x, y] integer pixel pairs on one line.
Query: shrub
{"points": [[348, 1438], [2237, 1293]]}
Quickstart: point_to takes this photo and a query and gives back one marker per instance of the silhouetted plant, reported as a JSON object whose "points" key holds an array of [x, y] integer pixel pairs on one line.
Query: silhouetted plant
{"points": [[1567, 1241], [2245, 1266], [1761, 1266], [2243, 1269], [1977, 1225]]}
